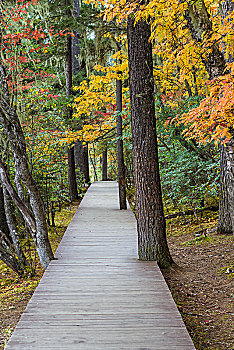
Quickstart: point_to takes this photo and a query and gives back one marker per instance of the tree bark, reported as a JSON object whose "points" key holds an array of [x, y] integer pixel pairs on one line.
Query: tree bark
{"points": [[71, 161], [79, 156], [27, 214], [104, 165], [76, 42], [12, 129], [86, 163], [3, 221], [8, 257], [151, 225], [72, 174], [13, 231], [226, 198], [120, 155], [200, 26]]}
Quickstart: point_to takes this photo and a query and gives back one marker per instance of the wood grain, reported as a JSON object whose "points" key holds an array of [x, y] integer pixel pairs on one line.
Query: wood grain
{"points": [[98, 295]]}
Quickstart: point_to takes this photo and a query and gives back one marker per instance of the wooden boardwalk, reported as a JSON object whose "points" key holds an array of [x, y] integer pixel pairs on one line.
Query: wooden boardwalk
{"points": [[97, 295]]}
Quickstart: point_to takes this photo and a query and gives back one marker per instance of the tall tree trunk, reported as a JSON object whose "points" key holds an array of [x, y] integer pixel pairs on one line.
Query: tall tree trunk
{"points": [[12, 128], [151, 225], [76, 41], [79, 156], [226, 197], [93, 161], [120, 155], [71, 161], [226, 200], [86, 163], [104, 165], [71, 177], [200, 26]]}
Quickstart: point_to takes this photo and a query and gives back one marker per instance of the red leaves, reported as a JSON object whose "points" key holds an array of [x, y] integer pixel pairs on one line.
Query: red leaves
{"points": [[214, 117], [64, 32]]}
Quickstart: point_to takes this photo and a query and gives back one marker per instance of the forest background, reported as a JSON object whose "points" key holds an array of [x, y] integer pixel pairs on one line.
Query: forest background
{"points": [[61, 65]]}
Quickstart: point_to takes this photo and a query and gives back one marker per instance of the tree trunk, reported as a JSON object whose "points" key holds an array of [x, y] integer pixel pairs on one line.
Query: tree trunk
{"points": [[12, 128], [8, 257], [151, 225], [3, 221], [120, 156], [79, 154], [41, 239], [79, 157], [13, 231], [104, 165], [72, 174], [200, 26], [76, 42], [25, 211], [71, 161], [86, 163], [226, 198]]}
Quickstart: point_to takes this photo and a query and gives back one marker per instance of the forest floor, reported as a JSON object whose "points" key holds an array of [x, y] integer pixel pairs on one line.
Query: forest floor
{"points": [[16, 292], [201, 282]]}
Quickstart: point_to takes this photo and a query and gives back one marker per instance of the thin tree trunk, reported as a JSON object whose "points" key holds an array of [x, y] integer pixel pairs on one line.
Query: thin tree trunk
{"points": [[86, 162], [25, 211], [41, 240], [226, 198], [72, 175], [19, 186], [93, 161], [151, 225], [3, 221], [40, 236], [104, 165], [12, 128], [71, 161], [13, 230], [120, 155], [8, 258], [79, 157], [76, 42]]}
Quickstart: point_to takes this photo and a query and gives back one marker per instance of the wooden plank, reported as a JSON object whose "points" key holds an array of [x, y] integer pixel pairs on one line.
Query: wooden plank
{"points": [[97, 295]]}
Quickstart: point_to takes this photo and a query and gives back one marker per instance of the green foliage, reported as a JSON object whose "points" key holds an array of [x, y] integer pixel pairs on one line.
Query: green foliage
{"points": [[186, 178], [189, 171]]}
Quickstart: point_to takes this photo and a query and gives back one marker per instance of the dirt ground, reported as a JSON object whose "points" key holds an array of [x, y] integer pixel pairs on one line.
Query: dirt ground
{"points": [[201, 284]]}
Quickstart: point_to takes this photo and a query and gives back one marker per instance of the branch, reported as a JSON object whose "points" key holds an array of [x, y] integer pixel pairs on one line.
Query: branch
{"points": [[191, 212], [3, 82], [9, 260], [25, 211]]}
